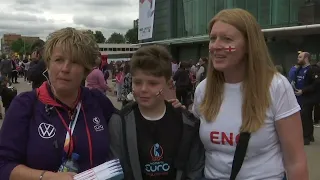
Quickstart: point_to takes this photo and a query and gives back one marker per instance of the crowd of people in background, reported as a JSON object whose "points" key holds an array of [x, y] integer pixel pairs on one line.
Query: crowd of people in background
{"points": [[10, 69], [14, 67], [186, 77]]}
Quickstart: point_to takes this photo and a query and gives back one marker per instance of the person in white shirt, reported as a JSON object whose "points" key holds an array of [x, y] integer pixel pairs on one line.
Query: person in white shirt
{"points": [[26, 64], [201, 73], [174, 66], [193, 69], [244, 93]]}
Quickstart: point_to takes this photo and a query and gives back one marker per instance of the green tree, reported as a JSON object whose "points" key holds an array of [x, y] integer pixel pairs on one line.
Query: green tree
{"points": [[99, 37], [91, 33], [21, 47], [116, 38], [132, 35]]}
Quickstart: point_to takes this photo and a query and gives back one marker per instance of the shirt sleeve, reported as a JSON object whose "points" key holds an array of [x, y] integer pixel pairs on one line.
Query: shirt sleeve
{"points": [[284, 101], [14, 134]]}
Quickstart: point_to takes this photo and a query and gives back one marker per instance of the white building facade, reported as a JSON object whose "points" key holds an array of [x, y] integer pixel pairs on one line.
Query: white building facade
{"points": [[118, 52]]}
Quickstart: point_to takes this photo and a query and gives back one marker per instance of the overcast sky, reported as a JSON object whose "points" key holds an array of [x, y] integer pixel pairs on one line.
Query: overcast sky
{"points": [[40, 17]]}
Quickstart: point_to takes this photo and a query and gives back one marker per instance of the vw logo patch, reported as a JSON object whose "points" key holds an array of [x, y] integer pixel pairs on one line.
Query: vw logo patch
{"points": [[46, 131]]}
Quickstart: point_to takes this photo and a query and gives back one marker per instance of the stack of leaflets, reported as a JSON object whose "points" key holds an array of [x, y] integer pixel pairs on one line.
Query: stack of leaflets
{"points": [[110, 170]]}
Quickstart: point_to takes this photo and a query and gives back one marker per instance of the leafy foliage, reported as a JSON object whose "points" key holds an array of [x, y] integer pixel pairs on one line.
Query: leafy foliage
{"points": [[21, 47], [116, 38], [132, 35]]}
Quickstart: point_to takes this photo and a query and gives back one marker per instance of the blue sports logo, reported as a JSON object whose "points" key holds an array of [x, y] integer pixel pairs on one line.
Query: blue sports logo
{"points": [[157, 167], [156, 152]]}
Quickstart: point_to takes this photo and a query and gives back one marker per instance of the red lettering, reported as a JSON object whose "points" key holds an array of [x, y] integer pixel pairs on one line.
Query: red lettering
{"points": [[214, 136], [225, 138]]}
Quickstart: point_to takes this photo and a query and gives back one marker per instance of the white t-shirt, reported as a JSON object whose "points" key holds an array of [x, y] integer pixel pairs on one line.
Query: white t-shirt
{"points": [[26, 66], [264, 159]]}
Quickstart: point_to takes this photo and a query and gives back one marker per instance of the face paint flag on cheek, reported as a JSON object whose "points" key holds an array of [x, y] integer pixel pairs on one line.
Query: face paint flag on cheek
{"points": [[159, 93], [230, 48]]}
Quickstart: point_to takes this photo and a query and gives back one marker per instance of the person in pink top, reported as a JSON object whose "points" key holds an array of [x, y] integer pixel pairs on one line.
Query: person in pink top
{"points": [[96, 79], [119, 83]]}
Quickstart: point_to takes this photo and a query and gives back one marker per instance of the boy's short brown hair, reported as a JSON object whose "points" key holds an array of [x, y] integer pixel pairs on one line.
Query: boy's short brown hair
{"points": [[154, 60]]}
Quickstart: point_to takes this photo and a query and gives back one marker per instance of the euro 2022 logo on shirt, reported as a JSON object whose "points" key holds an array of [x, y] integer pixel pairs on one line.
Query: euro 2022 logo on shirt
{"points": [[97, 127], [157, 166]]}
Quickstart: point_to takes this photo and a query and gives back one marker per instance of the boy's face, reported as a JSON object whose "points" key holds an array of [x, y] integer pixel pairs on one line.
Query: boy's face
{"points": [[148, 89]]}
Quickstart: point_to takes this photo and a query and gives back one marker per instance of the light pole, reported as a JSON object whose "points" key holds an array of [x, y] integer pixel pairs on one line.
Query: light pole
{"points": [[24, 47]]}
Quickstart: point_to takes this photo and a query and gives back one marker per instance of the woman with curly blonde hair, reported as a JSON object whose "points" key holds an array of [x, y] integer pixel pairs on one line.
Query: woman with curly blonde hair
{"points": [[45, 128]]}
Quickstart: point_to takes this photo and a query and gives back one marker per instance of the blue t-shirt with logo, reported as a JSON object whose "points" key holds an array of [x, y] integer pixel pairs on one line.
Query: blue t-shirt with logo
{"points": [[301, 75], [292, 74]]}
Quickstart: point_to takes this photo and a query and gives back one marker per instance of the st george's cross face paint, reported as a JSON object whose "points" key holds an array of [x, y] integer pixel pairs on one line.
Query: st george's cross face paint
{"points": [[227, 49], [230, 48]]}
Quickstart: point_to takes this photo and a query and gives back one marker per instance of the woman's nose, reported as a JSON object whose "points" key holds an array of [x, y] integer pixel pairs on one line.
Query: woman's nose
{"points": [[66, 66], [215, 45]]}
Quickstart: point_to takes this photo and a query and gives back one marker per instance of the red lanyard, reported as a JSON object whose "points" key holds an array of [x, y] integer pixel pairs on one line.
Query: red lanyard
{"points": [[71, 144]]}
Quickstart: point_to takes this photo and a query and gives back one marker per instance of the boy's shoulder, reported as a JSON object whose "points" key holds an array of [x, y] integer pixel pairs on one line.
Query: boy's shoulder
{"points": [[128, 108], [134, 105], [186, 116]]}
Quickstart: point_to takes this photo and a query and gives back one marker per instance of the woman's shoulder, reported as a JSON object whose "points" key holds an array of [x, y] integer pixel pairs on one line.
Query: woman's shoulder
{"points": [[279, 82], [201, 87], [94, 96], [27, 96], [93, 93], [24, 100]]}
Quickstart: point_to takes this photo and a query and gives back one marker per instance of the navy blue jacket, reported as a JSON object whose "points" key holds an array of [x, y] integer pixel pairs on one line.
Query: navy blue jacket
{"points": [[34, 137]]}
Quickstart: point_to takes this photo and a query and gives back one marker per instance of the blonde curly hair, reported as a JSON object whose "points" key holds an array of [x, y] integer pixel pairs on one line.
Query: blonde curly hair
{"points": [[81, 46]]}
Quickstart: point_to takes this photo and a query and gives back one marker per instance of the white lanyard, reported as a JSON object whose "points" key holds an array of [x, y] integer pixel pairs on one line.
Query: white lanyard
{"points": [[73, 123]]}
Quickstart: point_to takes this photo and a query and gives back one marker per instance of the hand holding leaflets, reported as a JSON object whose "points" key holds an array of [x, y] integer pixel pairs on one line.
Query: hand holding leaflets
{"points": [[106, 171]]}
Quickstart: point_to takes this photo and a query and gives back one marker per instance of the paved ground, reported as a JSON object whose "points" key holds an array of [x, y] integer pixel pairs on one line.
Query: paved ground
{"points": [[313, 151]]}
